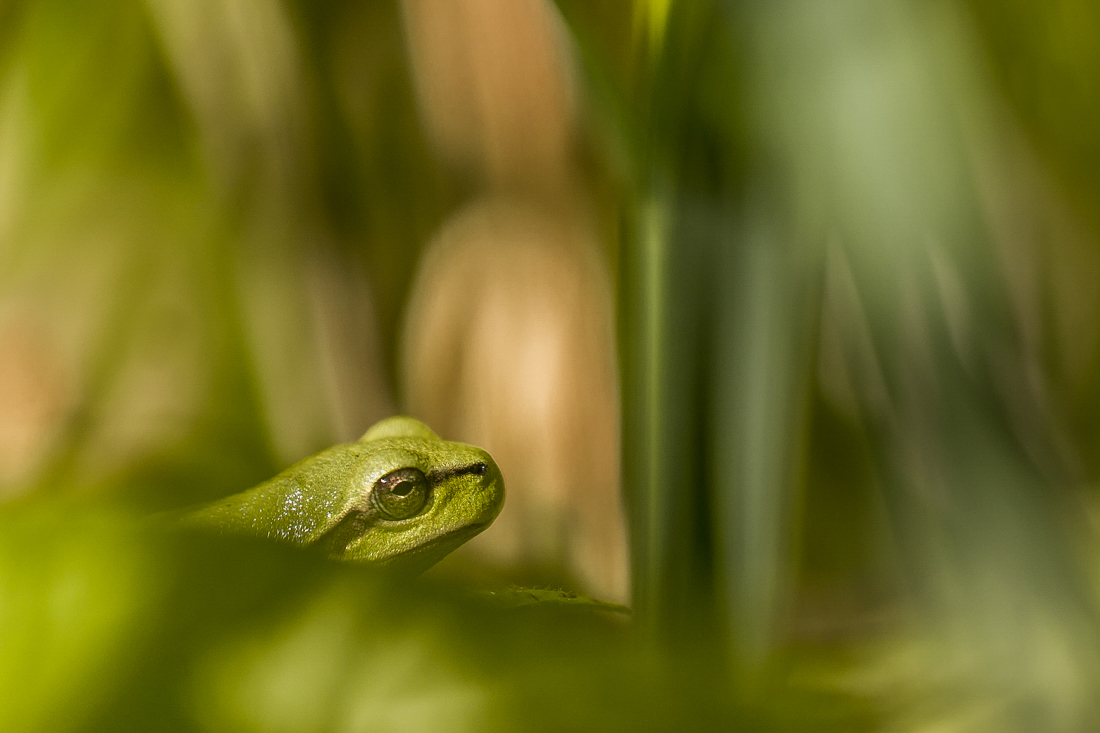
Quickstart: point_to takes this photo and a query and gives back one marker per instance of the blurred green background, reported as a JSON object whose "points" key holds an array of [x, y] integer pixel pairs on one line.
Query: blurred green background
{"points": [[781, 319]]}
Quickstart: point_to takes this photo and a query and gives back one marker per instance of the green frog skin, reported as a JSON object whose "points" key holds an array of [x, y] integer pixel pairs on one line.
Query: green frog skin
{"points": [[399, 496]]}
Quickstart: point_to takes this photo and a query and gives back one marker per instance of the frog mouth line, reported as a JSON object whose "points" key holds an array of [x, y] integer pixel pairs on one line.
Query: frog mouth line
{"points": [[450, 540], [464, 532]]}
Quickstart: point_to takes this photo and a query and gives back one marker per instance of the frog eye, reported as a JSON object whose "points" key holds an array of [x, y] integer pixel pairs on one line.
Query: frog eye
{"points": [[401, 494]]}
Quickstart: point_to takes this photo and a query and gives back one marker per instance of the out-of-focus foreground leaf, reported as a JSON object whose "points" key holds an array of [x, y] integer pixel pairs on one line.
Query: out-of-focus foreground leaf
{"points": [[115, 625]]}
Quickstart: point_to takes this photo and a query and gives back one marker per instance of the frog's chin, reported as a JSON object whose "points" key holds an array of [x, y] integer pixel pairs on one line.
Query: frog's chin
{"points": [[419, 559]]}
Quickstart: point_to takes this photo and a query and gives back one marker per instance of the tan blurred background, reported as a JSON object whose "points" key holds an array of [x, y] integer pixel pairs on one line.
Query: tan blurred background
{"points": [[509, 340]]}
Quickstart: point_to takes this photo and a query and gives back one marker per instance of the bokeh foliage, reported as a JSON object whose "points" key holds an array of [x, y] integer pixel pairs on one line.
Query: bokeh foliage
{"points": [[856, 258]]}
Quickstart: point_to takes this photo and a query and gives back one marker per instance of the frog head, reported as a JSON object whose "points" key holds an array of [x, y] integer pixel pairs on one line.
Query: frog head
{"points": [[399, 496], [420, 498]]}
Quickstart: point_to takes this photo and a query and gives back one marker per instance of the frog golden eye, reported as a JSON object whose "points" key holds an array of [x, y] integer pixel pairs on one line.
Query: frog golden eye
{"points": [[401, 494]]}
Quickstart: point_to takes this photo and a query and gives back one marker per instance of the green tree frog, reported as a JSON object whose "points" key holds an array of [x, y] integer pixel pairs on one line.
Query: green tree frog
{"points": [[399, 496]]}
